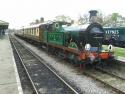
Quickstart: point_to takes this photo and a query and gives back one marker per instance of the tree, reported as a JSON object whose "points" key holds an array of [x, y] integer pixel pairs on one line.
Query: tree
{"points": [[83, 20], [114, 20], [34, 22], [63, 18], [114, 17], [106, 21], [96, 19]]}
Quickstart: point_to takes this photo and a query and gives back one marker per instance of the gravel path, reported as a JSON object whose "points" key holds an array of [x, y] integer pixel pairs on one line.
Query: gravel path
{"points": [[85, 84]]}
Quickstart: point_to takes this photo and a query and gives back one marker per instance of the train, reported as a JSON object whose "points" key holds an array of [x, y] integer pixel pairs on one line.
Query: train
{"points": [[114, 36], [80, 44]]}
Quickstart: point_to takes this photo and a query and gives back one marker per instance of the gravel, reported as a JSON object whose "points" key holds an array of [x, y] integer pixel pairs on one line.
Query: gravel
{"points": [[85, 84]]}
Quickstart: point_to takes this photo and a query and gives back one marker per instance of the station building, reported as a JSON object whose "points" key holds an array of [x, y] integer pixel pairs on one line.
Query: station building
{"points": [[3, 26]]}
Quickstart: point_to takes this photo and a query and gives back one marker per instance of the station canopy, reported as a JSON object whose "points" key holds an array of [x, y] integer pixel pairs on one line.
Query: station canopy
{"points": [[3, 24]]}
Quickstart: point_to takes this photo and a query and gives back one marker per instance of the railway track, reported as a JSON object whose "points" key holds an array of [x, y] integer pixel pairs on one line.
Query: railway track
{"points": [[115, 82], [25, 82], [114, 68], [43, 79]]}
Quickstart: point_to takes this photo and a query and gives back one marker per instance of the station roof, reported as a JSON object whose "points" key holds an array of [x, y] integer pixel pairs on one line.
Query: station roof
{"points": [[3, 24]]}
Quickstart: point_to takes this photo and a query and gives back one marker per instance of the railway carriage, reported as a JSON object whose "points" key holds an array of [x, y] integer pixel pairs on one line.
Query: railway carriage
{"points": [[33, 32], [115, 36], [80, 44]]}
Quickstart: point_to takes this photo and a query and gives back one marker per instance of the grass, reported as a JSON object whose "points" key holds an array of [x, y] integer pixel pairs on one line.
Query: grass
{"points": [[118, 51]]}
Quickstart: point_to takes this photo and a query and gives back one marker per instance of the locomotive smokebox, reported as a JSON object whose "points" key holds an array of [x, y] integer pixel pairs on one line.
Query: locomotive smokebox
{"points": [[93, 13]]}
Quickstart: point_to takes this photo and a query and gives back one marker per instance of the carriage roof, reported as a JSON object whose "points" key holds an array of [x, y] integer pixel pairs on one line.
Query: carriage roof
{"points": [[37, 25]]}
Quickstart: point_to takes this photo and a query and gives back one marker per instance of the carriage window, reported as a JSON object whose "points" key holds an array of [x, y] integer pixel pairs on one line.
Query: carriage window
{"points": [[30, 32], [27, 31], [37, 31], [33, 31]]}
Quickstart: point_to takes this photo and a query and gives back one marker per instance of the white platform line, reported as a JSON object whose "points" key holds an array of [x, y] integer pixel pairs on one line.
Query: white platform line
{"points": [[16, 74]]}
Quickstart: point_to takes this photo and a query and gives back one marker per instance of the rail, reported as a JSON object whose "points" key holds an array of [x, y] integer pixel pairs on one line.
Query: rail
{"points": [[43, 78]]}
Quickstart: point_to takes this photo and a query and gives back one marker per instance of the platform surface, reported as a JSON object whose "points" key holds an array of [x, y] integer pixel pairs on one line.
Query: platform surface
{"points": [[121, 58], [9, 78]]}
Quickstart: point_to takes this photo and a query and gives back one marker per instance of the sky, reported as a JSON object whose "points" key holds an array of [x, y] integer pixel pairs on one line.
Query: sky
{"points": [[21, 12]]}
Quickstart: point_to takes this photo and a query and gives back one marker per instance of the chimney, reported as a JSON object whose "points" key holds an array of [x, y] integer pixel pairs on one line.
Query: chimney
{"points": [[92, 13]]}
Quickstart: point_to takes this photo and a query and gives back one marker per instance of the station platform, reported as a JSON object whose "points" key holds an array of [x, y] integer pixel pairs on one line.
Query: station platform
{"points": [[9, 78], [121, 58]]}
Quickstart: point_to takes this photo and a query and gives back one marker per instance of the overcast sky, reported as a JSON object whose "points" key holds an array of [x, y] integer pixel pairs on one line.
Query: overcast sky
{"points": [[21, 12]]}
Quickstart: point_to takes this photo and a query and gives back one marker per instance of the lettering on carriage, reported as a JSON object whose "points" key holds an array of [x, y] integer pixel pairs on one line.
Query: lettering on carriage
{"points": [[116, 32]]}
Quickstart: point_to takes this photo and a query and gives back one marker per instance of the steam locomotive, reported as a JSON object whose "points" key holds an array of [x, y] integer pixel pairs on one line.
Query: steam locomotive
{"points": [[80, 44]]}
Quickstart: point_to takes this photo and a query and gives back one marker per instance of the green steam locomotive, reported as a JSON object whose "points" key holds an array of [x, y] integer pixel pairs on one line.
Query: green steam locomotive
{"points": [[81, 44]]}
